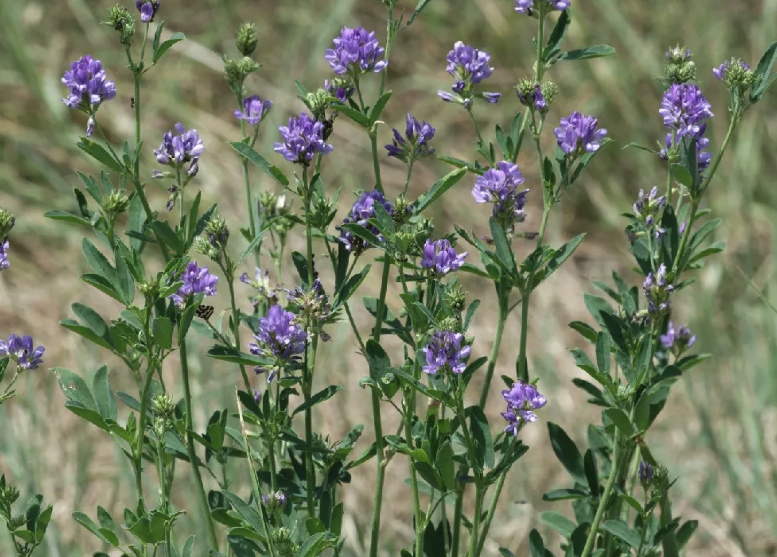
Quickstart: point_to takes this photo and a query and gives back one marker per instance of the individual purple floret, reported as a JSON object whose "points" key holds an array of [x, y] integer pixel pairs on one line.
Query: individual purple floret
{"points": [[147, 9], [20, 349], [280, 337], [177, 150], [468, 66], [363, 209], [528, 7], [445, 351], [733, 69], [274, 501], [257, 395], [684, 109], [355, 52], [254, 110], [657, 290], [500, 186], [415, 144], [703, 158], [645, 473], [522, 399], [196, 280], [577, 134], [677, 341], [89, 87], [441, 258], [340, 88], [4, 263], [261, 282], [533, 98], [302, 139]]}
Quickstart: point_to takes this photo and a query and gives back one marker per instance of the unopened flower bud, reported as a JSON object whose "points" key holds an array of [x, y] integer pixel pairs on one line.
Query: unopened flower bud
{"points": [[7, 221], [403, 210], [679, 67], [9, 494], [246, 39], [451, 324], [424, 230], [645, 473], [203, 246], [217, 232], [120, 19], [456, 298], [16, 522], [150, 288], [248, 66], [162, 406], [115, 204], [317, 102]]}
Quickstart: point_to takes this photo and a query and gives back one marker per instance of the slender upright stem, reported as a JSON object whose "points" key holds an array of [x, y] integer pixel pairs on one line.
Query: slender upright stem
{"points": [[477, 129], [500, 325], [142, 429], [163, 491], [540, 67], [458, 508], [389, 40], [193, 460], [375, 161], [376, 418], [473, 541], [589, 543], [409, 173], [419, 516], [491, 511], [236, 328], [521, 131]]}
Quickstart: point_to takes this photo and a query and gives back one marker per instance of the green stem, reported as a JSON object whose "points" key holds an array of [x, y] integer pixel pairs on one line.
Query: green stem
{"points": [[500, 325], [491, 511], [203, 500], [409, 173], [540, 69], [477, 130], [376, 418], [473, 541], [589, 542], [420, 526], [520, 133], [236, 327], [163, 491], [142, 429], [389, 40], [457, 511], [375, 162]]}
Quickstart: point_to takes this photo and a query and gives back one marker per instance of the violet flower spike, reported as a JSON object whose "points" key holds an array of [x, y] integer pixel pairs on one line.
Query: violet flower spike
{"points": [[499, 186], [88, 85], [441, 258], [522, 399], [177, 150], [578, 134], [356, 52], [280, 337], [254, 110], [445, 351], [4, 262], [302, 139], [20, 349], [528, 7], [415, 143], [469, 67], [362, 210], [685, 109], [196, 280]]}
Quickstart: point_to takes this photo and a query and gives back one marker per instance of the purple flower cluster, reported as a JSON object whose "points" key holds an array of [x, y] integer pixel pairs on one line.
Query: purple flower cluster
{"points": [[445, 351], [20, 349], [196, 280], [302, 139], [577, 134], [532, 98], [340, 88], [522, 399], [362, 210], [254, 110], [441, 258], [647, 209], [4, 263], [177, 150], [355, 52], [261, 282], [147, 9], [685, 109], [415, 144], [468, 66], [279, 336], [500, 186], [657, 290], [731, 69], [677, 341], [274, 501], [528, 7], [645, 473], [89, 87]]}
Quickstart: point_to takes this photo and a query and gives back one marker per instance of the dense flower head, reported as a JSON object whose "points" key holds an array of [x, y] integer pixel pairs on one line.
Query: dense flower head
{"points": [[21, 350], [677, 340], [441, 258], [415, 144], [468, 66], [362, 210], [88, 85], [254, 110], [280, 336], [684, 109], [679, 67], [528, 7], [4, 263], [302, 139], [261, 282], [177, 150], [499, 186], [522, 398], [657, 290], [446, 350], [736, 75], [196, 280], [356, 51], [314, 306], [147, 9], [578, 134], [645, 473]]}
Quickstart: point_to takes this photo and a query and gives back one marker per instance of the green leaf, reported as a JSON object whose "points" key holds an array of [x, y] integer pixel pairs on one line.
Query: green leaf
{"points": [[418, 9], [167, 236], [352, 285], [603, 353], [557, 36], [438, 189], [313, 546], [685, 532], [559, 523], [163, 332], [42, 523], [103, 395], [762, 71], [187, 547], [99, 263], [167, 45], [363, 233], [564, 494], [621, 530], [444, 461], [272, 171], [249, 514], [75, 388], [597, 51], [252, 246], [64, 216], [567, 453], [642, 411], [95, 323], [98, 153], [503, 249], [380, 104], [89, 524], [681, 174], [318, 398], [353, 114], [385, 222], [234, 356], [621, 420], [481, 435]]}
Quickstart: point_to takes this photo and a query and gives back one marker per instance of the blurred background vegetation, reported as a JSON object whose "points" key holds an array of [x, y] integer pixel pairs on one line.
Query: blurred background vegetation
{"points": [[718, 433]]}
